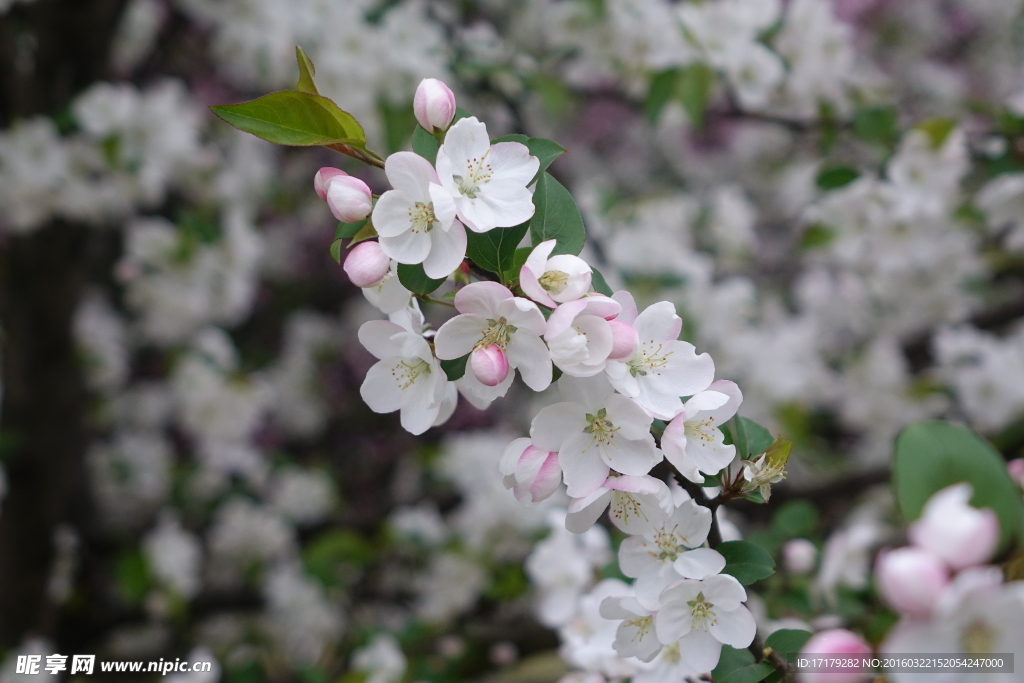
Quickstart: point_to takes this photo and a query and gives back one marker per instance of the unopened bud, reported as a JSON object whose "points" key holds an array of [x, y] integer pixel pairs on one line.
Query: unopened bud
{"points": [[835, 643], [1016, 470], [322, 180], [349, 198], [434, 105], [625, 340], [489, 364], [911, 580], [949, 527], [799, 556], [366, 264]]}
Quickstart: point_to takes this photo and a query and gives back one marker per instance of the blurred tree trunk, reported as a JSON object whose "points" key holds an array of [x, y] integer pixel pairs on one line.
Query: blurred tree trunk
{"points": [[50, 50]]}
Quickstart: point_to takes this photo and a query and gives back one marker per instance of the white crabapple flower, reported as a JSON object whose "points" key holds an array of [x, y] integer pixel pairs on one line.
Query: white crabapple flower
{"points": [[701, 615], [635, 635], [635, 504], [670, 551], [407, 378], [594, 432], [532, 474], [491, 316], [662, 369], [551, 280], [488, 182], [692, 441], [579, 337], [416, 220]]}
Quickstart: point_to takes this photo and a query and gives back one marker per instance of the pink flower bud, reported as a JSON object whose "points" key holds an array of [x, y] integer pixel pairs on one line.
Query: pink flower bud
{"points": [[349, 198], [799, 556], [434, 105], [1016, 470], [911, 580], [837, 642], [949, 527], [624, 340], [322, 180], [490, 365], [366, 264]]}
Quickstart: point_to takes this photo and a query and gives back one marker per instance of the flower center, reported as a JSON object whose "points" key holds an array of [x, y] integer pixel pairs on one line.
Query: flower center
{"points": [[700, 610], [670, 653], [601, 428], [422, 216], [648, 359], [554, 281], [670, 544], [406, 372], [703, 430], [625, 506], [978, 638], [478, 173], [498, 332], [642, 625]]}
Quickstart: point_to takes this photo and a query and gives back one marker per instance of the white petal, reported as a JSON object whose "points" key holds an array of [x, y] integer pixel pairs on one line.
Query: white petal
{"points": [[458, 336], [638, 556], [510, 203], [391, 213], [691, 524], [631, 457], [554, 423], [634, 513], [686, 372], [447, 250], [724, 590], [466, 140], [699, 564], [700, 651], [524, 314], [513, 161], [509, 459], [444, 206], [482, 299], [409, 247], [582, 468], [659, 323], [632, 421], [528, 354], [625, 299], [475, 213], [377, 337], [724, 413], [736, 627], [380, 391], [584, 512], [449, 400]]}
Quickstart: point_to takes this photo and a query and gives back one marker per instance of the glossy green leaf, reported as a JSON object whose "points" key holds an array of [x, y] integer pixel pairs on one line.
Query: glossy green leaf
{"points": [[695, 87], [795, 519], [518, 259], [788, 641], [598, 283], [557, 217], [425, 144], [297, 119], [306, 72], [366, 232], [750, 438], [748, 674], [932, 455], [349, 230], [415, 280], [746, 561], [336, 250], [495, 250], [836, 177], [737, 666], [455, 369]]}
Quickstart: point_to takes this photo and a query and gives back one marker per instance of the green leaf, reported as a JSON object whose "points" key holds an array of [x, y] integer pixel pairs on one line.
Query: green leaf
{"points": [[663, 89], [495, 250], [455, 369], [557, 217], [836, 177], [133, 576], [788, 641], [415, 280], [746, 561], [750, 438], [817, 235], [932, 455], [749, 674], [349, 230], [324, 555], [297, 119], [598, 283], [796, 519], [937, 129], [364, 233], [695, 87], [425, 144], [879, 124], [306, 72], [336, 251], [398, 121], [518, 259]]}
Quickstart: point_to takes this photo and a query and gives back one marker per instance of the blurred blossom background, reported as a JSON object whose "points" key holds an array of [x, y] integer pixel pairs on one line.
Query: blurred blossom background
{"points": [[830, 191]]}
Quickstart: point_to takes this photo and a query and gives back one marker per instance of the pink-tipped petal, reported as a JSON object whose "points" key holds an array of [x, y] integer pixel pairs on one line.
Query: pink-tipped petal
{"points": [[349, 199], [624, 340], [322, 180]]}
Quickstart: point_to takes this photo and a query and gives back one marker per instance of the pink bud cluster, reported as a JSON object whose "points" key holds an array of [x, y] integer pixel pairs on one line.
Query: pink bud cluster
{"points": [[950, 536], [349, 199]]}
